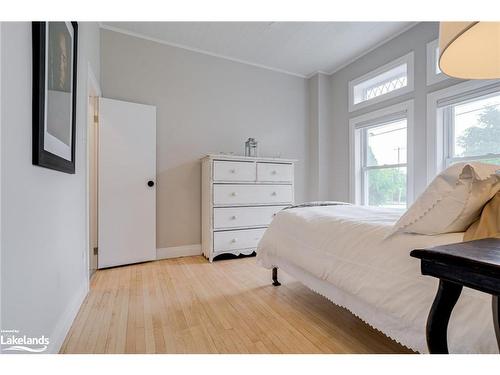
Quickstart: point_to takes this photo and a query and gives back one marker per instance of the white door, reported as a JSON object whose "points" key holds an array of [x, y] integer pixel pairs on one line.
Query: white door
{"points": [[127, 190]]}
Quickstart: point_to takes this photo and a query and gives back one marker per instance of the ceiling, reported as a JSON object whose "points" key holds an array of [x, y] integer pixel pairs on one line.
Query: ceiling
{"points": [[299, 48]]}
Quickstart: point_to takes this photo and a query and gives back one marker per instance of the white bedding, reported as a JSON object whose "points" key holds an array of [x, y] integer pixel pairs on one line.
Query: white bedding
{"points": [[341, 252]]}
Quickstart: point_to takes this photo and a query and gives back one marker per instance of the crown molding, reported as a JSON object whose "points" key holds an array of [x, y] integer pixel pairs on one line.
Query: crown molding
{"points": [[197, 50], [316, 73], [246, 62]]}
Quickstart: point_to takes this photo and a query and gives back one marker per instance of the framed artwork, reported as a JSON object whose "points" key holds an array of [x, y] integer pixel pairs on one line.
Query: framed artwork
{"points": [[54, 94]]}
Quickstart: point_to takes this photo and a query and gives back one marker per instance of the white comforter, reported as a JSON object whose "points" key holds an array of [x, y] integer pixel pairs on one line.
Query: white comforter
{"points": [[374, 277]]}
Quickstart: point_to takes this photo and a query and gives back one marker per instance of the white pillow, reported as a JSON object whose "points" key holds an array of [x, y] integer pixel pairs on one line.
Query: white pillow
{"points": [[452, 201]]}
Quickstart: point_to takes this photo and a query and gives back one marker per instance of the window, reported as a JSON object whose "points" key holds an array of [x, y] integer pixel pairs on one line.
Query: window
{"points": [[434, 74], [380, 158], [384, 164], [463, 124], [386, 82], [472, 129], [382, 84]]}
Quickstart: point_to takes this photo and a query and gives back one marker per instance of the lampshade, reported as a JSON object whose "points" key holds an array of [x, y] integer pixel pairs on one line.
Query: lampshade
{"points": [[470, 50]]}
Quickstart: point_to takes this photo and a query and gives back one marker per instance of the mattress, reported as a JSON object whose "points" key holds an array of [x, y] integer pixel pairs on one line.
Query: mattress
{"points": [[344, 253]]}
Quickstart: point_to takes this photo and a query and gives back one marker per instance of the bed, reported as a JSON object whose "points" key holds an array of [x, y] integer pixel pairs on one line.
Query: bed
{"points": [[345, 253]]}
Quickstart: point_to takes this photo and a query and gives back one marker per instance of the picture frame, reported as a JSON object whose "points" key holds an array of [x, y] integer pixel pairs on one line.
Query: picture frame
{"points": [[55, 46]]}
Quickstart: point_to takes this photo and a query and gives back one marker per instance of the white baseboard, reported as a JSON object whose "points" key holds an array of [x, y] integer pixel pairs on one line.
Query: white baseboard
{"points": [[178, 251], [62, 328]]}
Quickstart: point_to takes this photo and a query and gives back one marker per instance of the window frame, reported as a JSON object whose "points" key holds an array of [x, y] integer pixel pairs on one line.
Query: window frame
{"points": [[438, 121], [357, 148], [432, 61], [407, 59]]}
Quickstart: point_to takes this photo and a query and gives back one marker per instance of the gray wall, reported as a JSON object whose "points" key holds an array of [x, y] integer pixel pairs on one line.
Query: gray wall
{"points": [[43, 212], [414, 39], [204, 104], [320, 134]]}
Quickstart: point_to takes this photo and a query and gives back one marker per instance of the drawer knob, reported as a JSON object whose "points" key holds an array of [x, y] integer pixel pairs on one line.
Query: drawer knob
{"points": [[274, 172], [234, 240], [233, 217], [232, 170], [274, 193], [233, 194]]}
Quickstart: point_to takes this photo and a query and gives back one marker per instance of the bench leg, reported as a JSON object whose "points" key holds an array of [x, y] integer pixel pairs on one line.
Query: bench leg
{"points": [[496, 318], [439, 316], [275, 277]]}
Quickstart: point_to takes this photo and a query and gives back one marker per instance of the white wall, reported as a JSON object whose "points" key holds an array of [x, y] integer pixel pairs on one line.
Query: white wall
{"points": [[204, 104], [43, 212], [415, 40]]}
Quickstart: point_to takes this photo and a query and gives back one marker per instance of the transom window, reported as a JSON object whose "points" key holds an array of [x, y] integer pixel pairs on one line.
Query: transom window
{"points": [[434, 74], [472, 129], [392, 79], [381, 173], [436, 61]]}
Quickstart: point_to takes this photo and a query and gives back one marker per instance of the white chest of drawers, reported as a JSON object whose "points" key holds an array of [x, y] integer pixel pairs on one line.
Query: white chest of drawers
{"points": [[240, 196]]}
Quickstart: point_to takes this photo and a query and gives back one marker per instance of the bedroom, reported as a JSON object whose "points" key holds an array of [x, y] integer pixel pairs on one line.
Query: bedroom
{"points": [[260, 206]]}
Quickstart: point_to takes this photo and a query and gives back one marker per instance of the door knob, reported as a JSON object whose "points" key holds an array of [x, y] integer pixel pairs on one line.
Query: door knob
{"points": [[151, 183]]}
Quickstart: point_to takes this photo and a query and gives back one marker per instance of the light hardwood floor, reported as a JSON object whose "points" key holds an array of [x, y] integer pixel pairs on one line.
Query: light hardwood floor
{"points": [[188, 305]]}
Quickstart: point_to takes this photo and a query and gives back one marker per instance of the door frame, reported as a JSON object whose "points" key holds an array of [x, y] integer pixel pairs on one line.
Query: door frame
{"points": [[1, 203], [93, 90]]}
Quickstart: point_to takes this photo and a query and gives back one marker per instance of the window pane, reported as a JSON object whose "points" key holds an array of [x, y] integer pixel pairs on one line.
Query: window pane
{"points": [[495, 161], [436, 61], [386, 187], [476, 127], [385, 87], [383, 83], [386, 144]]}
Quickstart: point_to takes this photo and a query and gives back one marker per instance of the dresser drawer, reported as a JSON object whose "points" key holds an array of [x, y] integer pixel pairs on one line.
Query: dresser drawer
{"points": [[274, 172], [252, 194], [233, 217], [233, 171], [237, 239]]}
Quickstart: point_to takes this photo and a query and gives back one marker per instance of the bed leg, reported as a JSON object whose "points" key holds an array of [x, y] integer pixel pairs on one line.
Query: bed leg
{"points": [[275, 277]]}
